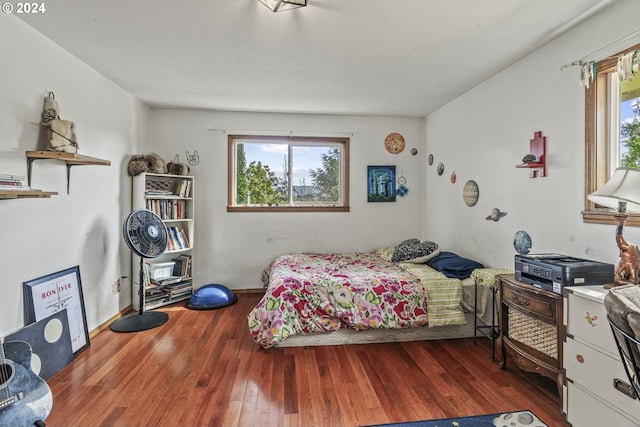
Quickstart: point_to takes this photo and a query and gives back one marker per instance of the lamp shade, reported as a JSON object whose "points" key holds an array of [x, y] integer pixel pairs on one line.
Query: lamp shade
{"points": [[280, 5], [623, 186]]}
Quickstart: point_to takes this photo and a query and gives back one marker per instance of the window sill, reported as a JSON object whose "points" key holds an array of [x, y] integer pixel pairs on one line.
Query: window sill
{"points": [[287, 208], [607, 216]]}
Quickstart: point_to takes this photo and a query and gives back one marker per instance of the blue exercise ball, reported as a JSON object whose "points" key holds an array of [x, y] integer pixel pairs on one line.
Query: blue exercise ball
{"points": [[210, 297]]}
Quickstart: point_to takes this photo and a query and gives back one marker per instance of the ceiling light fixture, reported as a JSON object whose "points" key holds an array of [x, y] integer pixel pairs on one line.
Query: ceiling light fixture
{"points": [[280, 5]]}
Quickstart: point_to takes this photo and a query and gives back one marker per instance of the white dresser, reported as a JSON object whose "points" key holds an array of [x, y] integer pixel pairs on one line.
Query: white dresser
{"points": [[593, 371]]}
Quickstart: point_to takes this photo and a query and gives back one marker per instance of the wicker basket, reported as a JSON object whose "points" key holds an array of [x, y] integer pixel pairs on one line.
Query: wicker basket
{"points": [[534, 333], [158, 185]]}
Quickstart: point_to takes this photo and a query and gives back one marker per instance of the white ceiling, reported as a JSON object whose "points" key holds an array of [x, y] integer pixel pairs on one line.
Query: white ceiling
{"points": [[363, 57]]}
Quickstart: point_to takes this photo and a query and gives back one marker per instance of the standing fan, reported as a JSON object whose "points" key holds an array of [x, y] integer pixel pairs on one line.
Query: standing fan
{"points": [[146, 235]]}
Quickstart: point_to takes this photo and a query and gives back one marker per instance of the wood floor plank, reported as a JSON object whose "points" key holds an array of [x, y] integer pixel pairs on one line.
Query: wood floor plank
{"points": [[202, 368]]}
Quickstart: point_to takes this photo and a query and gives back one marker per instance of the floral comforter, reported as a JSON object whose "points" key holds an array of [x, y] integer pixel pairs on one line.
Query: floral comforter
{"points": [[312, 293]]}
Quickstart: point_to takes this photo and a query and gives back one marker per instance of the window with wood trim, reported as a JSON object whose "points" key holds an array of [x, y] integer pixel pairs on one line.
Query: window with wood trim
{"points": [[288, 173], [612, 111]]}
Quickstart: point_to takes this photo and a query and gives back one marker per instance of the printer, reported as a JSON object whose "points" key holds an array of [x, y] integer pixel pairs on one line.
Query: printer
{"points": [[552, 272]]}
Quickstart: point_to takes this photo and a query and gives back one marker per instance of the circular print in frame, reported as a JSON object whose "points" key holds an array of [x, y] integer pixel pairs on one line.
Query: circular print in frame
{"points": [[440, 168], [430, 159], [394, 143], [470, 193]]}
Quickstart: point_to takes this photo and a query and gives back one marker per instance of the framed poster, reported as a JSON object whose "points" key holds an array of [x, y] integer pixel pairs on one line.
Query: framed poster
{"points": [[381, 183], [55, 292]]}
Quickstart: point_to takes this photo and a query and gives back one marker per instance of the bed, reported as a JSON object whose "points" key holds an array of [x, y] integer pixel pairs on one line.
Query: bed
{"points": [[349, 298]]}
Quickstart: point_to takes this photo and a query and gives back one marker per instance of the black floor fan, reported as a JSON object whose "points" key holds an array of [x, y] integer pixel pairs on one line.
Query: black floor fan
{"points": [[146, 235]]}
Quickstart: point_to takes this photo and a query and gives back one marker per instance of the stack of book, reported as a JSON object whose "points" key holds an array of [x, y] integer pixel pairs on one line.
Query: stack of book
{"points": [[155, 295], [12, 182], [179, 289]]}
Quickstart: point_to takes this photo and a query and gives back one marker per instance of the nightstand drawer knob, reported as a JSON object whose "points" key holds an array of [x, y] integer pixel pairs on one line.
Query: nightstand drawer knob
{"points": [[519, 301], [579, 358]]}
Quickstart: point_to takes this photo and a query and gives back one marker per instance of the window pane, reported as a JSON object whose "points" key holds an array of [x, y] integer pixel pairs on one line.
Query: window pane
{"points": [[261, 174], [630, 122], [315, 174]]}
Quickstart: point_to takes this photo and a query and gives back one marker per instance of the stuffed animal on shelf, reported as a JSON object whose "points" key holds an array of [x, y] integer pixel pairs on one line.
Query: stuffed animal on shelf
{"points": [[61, 134], [177, 168], [150, 162]]}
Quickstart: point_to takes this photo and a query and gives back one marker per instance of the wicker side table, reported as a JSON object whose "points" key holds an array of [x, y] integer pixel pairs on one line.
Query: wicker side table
{"points": [[487, 277], [531, 330]]}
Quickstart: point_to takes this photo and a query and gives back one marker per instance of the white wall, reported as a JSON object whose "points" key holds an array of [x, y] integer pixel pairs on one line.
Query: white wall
{"points": [[485, 133], [42, 236], [480, 136], [233, 248]]}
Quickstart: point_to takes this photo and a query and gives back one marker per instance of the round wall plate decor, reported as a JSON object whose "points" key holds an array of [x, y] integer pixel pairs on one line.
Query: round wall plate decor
{"points": [[470, 193], [394, 143], [522, 242], [440, 168], [430, 159]]}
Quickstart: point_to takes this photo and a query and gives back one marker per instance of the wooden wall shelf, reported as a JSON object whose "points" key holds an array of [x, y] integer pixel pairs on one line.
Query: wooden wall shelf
{"points": [[23, 194], [70, 159], [537, 147]]}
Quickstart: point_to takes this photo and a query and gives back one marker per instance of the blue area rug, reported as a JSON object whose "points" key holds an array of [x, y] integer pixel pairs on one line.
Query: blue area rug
{"points": [[508, 419]]}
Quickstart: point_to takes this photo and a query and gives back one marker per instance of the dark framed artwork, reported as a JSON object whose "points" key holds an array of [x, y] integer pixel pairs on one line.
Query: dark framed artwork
{"points": [[55, 292], [381, 183], [50, 343]]}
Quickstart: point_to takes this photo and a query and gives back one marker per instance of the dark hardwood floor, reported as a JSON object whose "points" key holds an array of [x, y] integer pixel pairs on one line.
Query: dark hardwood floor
{"points": [[201, 368]]}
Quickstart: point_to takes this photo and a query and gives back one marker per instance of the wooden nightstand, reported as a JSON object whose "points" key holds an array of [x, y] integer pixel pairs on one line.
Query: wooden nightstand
{"points": [[531, 331]]}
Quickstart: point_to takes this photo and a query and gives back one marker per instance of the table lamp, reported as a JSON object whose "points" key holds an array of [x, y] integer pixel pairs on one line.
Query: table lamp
{"points": [[622, 192]]}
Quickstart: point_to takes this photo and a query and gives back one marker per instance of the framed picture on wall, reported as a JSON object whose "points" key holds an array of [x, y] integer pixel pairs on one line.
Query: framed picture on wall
{"points": [[55, 292], [381, 183]]}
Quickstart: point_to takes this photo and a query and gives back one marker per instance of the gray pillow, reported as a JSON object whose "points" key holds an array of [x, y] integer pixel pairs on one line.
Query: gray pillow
{"points": [[415, 251]]}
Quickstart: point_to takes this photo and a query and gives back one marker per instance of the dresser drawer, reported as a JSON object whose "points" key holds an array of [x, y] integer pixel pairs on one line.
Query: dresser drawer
{"points": [[587, 322], [591, 412], [595, 371], [529, 302]]}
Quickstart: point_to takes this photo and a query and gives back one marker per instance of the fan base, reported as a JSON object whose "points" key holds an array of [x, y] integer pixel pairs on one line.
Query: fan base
{"points": [[136, 322]]}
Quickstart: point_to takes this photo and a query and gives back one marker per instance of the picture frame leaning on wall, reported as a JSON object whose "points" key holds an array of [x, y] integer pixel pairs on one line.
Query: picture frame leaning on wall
{"points": [[54, 292]]}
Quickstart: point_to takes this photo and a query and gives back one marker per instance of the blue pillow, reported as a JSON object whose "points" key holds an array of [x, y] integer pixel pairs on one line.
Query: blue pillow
{"points": [[453, 266]]}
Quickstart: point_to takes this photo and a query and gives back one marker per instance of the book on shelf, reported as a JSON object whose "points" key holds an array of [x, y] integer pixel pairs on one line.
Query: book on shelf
{"points": [[178, 288], [186, 290], [177, 238], [11, 177], [11, 183], [166, 281], [153, 291], [16, 188], [178, 285], [167, 208], [181, 294], [146, 277], [182, 266], [183, 188], [184, 238]]}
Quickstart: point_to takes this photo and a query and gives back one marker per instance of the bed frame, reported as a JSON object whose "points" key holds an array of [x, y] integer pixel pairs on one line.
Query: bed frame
{"points": [[348, 336]]}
